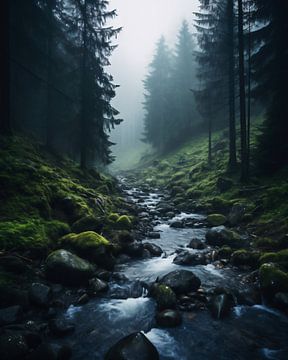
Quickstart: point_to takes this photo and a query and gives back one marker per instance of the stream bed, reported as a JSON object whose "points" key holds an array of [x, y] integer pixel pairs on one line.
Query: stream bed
{"points": [[250, 332]]}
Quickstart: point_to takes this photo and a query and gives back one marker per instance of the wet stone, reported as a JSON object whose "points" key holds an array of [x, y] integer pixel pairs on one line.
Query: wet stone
{"points": [[40, 294], [168, 318], [10, 315], [61, 327]]}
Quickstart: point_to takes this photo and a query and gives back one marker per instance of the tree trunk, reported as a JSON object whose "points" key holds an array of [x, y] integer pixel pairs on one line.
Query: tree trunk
{"points": [[210, 142], [5, 119], [232, 128], [243, 125], [249, 92], [83, 117]]}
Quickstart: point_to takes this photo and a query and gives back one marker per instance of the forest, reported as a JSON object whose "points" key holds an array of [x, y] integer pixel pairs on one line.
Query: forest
{"points": [[145, 218]]}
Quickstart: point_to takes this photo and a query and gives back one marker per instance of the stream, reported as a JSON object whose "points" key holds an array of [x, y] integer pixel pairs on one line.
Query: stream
{"points": [[250, 332]]}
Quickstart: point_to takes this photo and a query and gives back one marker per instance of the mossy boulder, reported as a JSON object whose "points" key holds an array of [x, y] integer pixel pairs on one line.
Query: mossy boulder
{"points": [[89, 245], [113, 217], [216, 219], [181, 281], [280, 258], [164, 296], [124, 222], [64, 267], [272, 279], [225, 252], [245, 258], [220, 236], [88, 223]]}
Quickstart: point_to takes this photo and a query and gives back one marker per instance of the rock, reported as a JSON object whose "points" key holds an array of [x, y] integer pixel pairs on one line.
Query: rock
{"points": [[10, 315], [181, 281], [136, 289], [216, 219], [61, 327], [103, 274], [83, 299], [64, 267], [219, 236], [221, 305], [177, 224], [164, 296], [224, 184], [134, 250], [13, 347], [124, 237], [13, 296], [154, 250], [168, 318], [134, 346], [245, 258], [224, 252], [236, 214], [124, 223], [153, 235], [40, 294], [51, 352], [97, 286], [87, 223], [14, 264], [196, 244], [272, 280], [187, 258]]}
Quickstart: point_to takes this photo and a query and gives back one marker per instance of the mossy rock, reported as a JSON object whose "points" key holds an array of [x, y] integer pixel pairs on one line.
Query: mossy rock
{"points": [[56, 229], [113, 217], [216, 219], [272, 279], [225, 252], [67, 268], [245, 258], [178, 175], [220, 236], [280, 258], [124, 222], [193, 193], [88, 223], [85, 241], [266, 243], [164, 296]]}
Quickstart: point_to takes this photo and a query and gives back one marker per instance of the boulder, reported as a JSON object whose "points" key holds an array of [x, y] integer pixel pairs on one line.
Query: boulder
{"points": [[216, 219], [61, 327], [154, 250], [236, 214], [153, 235], [124, 223], [14, 264], [221, 305], [87, 223], [10, 315], [181, 281], [220, 235], [245, 258], [168, 318], [196, 244], [64, 267], [134, 250], [134, 346], [187, 258], [176, 224], [164, 296], [97, 286], [272, 279], [281, 300], [40, 294]]}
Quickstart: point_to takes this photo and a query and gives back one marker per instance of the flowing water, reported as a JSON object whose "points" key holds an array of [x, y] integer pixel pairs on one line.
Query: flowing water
{"points": [[254, 332]]}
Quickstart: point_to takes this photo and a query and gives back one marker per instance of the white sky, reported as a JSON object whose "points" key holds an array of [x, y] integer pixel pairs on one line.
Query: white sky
{"points": [[143, 22]]}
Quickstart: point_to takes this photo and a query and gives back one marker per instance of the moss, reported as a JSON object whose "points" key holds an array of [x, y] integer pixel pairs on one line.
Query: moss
{"points": [[266, 243], [56, 229], [280, 258], [113, 217], [192, 193], [88, 223], [164, 296], [225, 252], [216, 219], [124, 222], [178, 175], [85, 241], [272, 279], [245, 257]]}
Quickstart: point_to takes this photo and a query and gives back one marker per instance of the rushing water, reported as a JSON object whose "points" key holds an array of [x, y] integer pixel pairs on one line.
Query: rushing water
{"points": [[255, 332]]}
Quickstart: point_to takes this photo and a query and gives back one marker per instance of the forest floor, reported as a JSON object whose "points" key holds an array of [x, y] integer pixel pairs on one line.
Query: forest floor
{"points": [[60, 225]]}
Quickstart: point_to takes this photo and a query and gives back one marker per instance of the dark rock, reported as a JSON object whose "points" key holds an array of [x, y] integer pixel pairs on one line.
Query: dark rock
{"points": [[103, 274], [281, 300], [136, 289], [245, 258], [33, 339], [221, 305], [11, 296], [187, 258], [40, 294], [219, 236], [153, 235], [64, 267], [61, 327], [250, 297], [196, 244], [134, 346], [168, 318], [181, 281], [123, 258], [164, 296], [122, 293], [154, 250], [51, 352], [13, 347], [134, 250], [10, 315], [236, 214], [83, 299], [88, 223], [97, 286], [177, 224], [125, 237]]}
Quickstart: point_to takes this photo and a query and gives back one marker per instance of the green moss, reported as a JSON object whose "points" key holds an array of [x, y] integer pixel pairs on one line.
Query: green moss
{"points": [[113, 217], [88, 223], [225, 252], [216, 219], [164, 296], [245, 257], [266, 243], [85, 241], [273, 279], [280, 258], [192, 193], [124, 222]]}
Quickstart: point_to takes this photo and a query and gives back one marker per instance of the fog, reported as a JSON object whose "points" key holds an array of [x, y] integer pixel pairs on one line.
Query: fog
{"points": [[143, 23]]}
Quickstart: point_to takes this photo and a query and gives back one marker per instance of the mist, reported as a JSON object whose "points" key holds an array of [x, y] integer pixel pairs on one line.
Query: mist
{"points": [[143, 24]]}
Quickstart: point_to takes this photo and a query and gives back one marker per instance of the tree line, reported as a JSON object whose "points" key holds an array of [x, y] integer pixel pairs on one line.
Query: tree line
{"points": [[54, 82], [239, 65]]}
